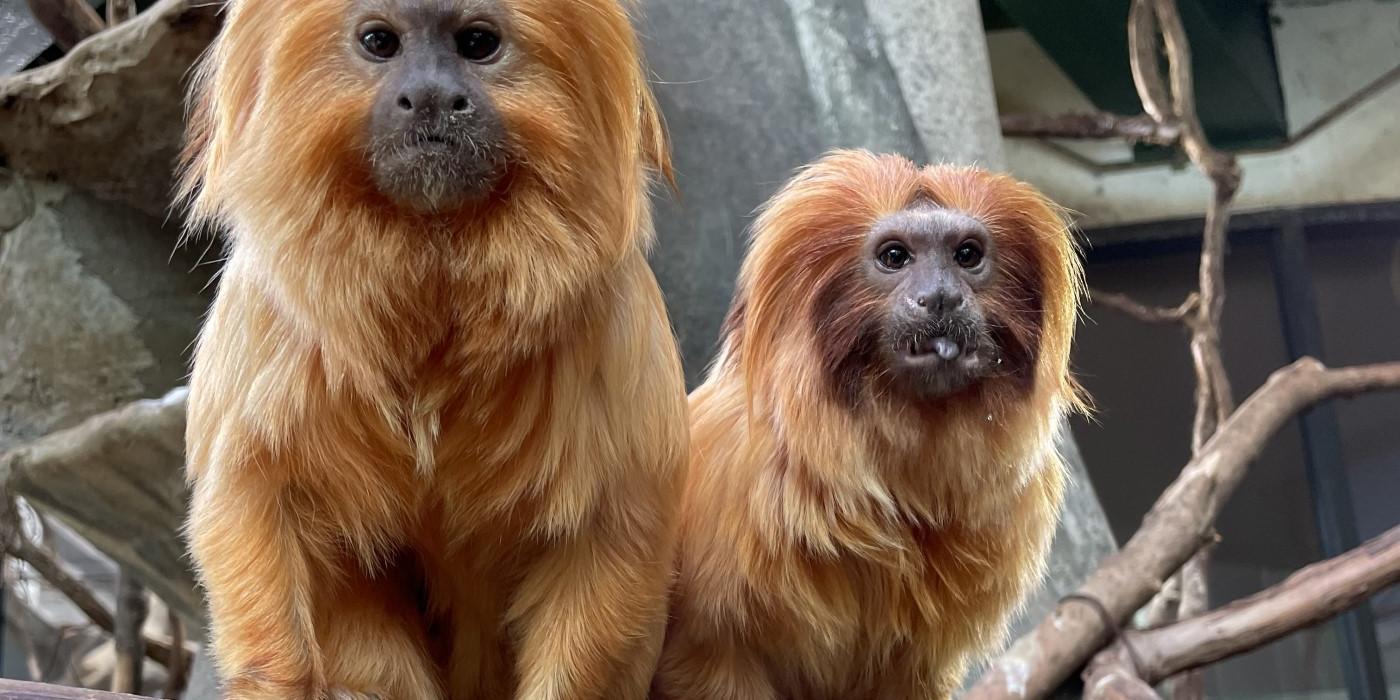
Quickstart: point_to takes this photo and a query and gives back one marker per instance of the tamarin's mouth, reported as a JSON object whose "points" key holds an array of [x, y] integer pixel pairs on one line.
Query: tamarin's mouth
{"points": [[940, 358], [944, 347]]}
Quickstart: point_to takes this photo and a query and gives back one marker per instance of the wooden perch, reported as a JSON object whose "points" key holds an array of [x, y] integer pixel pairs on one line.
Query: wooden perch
{"points": [[1308, 597], [1179, 524], [117, 480], [19, 690], [67, 21]]}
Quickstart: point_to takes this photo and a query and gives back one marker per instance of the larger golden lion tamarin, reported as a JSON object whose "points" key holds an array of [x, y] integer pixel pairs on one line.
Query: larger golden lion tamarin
{"points": [[437, 413], [873, 482]]}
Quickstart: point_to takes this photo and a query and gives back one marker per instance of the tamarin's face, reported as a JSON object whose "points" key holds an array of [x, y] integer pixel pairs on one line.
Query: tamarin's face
{"points": [[432, 107], [435, 136], [916, 284], [931, 266]]}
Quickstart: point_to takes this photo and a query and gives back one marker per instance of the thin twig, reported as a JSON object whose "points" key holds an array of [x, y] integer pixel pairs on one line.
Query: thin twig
{"points": [[1143, 312], [119, 11], [1090, 125]]}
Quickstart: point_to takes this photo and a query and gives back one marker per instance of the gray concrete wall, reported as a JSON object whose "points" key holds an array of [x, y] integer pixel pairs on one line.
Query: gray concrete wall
{"points": [[753, 89]]}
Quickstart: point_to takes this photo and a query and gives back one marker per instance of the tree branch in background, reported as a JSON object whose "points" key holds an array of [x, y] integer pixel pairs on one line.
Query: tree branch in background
{"points": [[1177, 526], [68, 21], [119, 11], [1090, 125], [132, 609], [177, 676], [1308, 597], [116, 479], [81, 596]]}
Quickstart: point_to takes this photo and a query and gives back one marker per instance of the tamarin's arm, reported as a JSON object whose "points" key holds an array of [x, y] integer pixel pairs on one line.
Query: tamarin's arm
{"points": [[257, 580]]}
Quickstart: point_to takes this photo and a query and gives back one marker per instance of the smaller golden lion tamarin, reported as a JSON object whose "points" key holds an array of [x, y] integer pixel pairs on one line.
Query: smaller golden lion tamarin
{"points": [[873, 483], [437, 416]]}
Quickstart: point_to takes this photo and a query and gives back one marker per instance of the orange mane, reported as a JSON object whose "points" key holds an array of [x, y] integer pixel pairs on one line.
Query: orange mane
{"points": [[800, 314]]}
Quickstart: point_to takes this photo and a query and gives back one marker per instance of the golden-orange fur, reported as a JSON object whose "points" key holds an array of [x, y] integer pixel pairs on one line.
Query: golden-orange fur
{"points": [[433, 455], [856, 546]]}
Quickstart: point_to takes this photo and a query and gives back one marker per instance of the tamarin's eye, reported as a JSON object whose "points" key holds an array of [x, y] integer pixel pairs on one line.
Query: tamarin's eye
{"points": [[968, 255], [478, 44], [380, 43], [894, 257]]}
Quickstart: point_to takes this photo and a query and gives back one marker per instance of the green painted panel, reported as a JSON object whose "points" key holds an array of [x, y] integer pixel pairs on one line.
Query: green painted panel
{"points": [[1239, 97]]}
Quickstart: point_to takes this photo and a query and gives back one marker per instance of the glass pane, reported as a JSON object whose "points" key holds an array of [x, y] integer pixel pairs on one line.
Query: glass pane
{"points": [[1141, 379]]}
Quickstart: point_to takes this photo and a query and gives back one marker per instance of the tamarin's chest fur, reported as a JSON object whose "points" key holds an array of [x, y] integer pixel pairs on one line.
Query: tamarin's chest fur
{"points": [[436, 428]]}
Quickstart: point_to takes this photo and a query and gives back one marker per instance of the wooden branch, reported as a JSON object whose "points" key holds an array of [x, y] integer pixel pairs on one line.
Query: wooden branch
{"points": [[1177, 526], [1308, 597], [1220, 166], [1090, 125], [117, 480], [132, 609], [19, 690], [1142, 312], [1144, 58], [1214, 398], [119, 11], [67, 21]]}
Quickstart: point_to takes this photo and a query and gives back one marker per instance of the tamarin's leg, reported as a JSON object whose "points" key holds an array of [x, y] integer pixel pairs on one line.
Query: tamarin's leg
{"points": [[712, 669], [588, 614], [376, 643]]}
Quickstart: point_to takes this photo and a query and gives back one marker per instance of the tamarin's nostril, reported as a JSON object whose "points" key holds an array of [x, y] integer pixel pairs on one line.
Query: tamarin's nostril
{"points": [[405, 103], [459, 104]]}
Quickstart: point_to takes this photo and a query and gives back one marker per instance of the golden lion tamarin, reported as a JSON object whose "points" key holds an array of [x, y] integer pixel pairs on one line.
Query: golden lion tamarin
{"points": [[873, 483], [437, 416]]}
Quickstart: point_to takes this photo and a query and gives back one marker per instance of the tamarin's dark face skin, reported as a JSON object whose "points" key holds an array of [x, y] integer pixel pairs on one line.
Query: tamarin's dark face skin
{"points": [[436, 140], [930, 264]]}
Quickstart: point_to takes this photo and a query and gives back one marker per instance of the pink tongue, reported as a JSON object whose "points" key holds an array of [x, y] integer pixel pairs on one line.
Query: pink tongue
{"points": [[946, 349]]}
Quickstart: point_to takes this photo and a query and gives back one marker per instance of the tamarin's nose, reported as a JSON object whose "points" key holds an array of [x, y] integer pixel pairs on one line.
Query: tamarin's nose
{"points": [[427, 98], [939, 300]]}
